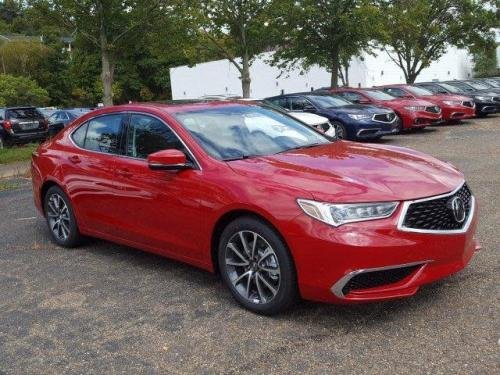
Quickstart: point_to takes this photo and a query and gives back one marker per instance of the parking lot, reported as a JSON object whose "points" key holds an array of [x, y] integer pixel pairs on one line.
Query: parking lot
{"points": [[105, 308]]}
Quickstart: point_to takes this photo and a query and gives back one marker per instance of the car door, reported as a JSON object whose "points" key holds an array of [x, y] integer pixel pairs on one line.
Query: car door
{"points": [[159, 210], [300, 104], [89, 171]]}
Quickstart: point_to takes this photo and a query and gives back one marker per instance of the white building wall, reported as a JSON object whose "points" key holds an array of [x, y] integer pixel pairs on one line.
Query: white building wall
{"points": [[222, 78]]}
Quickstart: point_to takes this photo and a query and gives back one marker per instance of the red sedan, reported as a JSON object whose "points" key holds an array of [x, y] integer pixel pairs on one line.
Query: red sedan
{"points": [[413, 113], [276, 208], [454, 107]]}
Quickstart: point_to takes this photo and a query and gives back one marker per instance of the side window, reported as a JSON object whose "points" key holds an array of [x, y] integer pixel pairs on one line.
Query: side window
{"points": [[280, 102], [147, 135], [431, 88], [78, 135], [299, 104], [395, 92], [104, 133]]}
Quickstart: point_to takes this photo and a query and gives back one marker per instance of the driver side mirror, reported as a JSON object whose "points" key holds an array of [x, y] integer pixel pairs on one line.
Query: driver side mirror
{"points": [[169, 160]]}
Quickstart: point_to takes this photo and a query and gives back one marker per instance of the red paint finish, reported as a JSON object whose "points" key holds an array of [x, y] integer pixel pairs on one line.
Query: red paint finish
{"points": [[449, 111], [175, 213], [410, 119]]}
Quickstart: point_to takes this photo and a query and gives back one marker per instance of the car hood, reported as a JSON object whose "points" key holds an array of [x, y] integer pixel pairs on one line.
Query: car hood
{"points": [[441, 98], [349, 172], [396, 103], [357, 109]]}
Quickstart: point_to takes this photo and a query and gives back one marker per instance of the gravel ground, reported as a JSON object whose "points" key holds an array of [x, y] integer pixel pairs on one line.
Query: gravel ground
{"points": [[104, 308]]}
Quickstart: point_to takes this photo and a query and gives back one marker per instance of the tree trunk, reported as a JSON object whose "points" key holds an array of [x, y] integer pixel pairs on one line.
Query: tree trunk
{"points": [[107, 68], [245, 76], [334, 82]]}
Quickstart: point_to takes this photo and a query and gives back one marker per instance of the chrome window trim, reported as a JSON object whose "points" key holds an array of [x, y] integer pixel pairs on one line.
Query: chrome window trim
{"points": [[336, 288], [407, 204], [197, 165]]}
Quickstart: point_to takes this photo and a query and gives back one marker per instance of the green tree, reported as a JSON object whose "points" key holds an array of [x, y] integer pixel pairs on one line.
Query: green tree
{"points": [[17, 91], [324, 32], [417, 32], [110, 26], [236, 30], [22, 57]]}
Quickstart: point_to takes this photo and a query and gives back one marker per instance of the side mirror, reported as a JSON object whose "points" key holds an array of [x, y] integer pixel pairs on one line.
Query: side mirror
{"points": [[168, 160]]}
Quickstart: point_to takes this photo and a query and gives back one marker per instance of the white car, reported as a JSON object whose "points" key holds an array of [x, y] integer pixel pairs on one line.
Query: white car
{"points": [[318, 122]]}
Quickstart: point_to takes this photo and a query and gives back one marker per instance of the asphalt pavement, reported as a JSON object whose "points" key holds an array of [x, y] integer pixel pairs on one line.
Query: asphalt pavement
{"points": [[104, 308]]}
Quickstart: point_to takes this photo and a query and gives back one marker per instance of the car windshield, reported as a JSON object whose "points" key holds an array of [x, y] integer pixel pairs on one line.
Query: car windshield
{"points": [[241, 131], [378, 95], [328, 101], [451, 88], [419, 91], [479, 85]]}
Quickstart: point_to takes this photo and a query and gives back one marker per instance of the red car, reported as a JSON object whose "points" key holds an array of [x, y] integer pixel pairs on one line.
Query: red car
{"points": [[413, 113], [454, 107], [276, 208]]}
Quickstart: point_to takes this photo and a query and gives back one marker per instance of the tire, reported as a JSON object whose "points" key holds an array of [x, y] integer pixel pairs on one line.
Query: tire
{"points": [[340, 130], [265, 283], [61, 218]]}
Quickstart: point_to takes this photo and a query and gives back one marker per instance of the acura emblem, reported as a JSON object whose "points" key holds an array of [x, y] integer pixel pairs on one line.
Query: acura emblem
{"points": [[458, 209]]}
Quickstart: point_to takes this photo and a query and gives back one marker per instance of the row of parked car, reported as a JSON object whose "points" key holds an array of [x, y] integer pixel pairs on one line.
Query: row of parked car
{"points": [[30, 124], [370, 113]]}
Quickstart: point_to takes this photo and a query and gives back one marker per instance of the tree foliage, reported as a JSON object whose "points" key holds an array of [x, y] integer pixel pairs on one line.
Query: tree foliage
{"points": [[416, 33], [17, 91], [324, 32]]}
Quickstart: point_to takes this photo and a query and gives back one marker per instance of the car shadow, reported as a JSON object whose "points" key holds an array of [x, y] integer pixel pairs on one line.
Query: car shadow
{"points": [[344, 317]]}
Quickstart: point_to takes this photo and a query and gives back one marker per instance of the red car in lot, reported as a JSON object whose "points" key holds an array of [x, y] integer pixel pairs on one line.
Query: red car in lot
{"points": [[413, 113], [453, 107], [276, 208]]}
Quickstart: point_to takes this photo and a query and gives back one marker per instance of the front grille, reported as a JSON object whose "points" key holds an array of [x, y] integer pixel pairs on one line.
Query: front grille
{"points": [[385, 117], [437, 214], [468, 104], [433, 109], [374, 279]]}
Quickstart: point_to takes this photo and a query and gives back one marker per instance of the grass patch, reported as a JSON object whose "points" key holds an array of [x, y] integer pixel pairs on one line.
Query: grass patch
{"points": [[9, 185], [17, 153]]}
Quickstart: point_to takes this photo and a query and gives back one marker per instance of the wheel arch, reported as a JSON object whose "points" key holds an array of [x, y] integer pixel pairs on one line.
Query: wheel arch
{"points": [[44, 189], [229, 217]]}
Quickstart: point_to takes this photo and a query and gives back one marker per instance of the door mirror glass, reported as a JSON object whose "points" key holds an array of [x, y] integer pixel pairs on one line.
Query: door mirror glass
{"points": [[169, 160]]}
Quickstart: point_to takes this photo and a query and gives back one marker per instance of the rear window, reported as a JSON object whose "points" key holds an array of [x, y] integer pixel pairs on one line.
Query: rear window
{"points": [[23, 113]]}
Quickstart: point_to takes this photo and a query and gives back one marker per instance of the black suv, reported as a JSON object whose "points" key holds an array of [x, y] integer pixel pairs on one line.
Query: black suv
{"points": [[21, 125]]}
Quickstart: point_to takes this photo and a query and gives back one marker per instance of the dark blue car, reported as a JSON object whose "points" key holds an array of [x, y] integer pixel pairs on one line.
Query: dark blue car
{"points": [[352, 121], [61, 118]]}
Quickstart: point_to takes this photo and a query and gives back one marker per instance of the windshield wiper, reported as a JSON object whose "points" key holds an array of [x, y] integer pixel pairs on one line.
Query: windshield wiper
{"points": [[242, 157], [299, 147]]}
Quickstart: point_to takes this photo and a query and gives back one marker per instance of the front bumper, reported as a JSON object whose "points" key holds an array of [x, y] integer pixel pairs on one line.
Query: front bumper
{"points": [[327, 258], [458, 112], [486, 108], [375, 129], [420, 119]]}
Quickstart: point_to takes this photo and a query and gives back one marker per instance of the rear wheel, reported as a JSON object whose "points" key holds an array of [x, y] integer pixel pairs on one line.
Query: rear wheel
{"points": [[60, 218], [339, 129], [257, 267]]}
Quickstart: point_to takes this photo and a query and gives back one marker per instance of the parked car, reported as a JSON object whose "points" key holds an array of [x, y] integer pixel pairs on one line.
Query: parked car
{"points": [[351, 121], [413, 113], [490, 81], [453, 107], [482, 86], [59, 119], [486, 102], [279, 213], [470, 88], [21, 125], [46, 111]]}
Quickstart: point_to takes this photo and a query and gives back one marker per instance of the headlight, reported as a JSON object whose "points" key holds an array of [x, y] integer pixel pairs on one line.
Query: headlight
{"points": [[452, 102], [415, 108], [484, 98], [360, 117], [338, 214]]}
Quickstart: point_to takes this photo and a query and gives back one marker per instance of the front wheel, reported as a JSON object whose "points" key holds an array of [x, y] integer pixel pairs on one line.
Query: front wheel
{"points": [[257, 267], [340, 130], [60, 218]]}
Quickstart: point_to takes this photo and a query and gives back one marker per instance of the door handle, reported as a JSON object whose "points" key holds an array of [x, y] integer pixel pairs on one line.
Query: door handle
{"points": [[74, 159], [123, 173]]}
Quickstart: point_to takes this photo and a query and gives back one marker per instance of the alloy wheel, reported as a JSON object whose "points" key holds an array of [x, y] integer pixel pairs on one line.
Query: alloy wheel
{"points": [[252, 267], [339, 130], [59, 217]]}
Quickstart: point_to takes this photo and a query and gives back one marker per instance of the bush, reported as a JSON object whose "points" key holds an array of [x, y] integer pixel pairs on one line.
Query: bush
{"points": [[19, 91]]}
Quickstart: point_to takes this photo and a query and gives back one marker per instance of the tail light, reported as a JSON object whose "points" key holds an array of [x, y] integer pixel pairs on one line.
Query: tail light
{"points": [[7, 125]]}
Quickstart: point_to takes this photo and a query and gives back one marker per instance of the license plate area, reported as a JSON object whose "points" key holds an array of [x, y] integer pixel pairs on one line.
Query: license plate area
{"points": [[29, 125]]}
